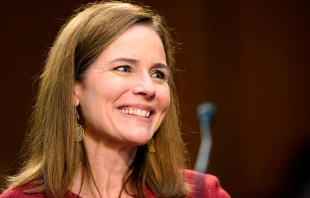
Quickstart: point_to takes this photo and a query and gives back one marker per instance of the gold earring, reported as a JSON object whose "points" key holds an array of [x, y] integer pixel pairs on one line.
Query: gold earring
{"points": [[79, 130], [151, 146]]}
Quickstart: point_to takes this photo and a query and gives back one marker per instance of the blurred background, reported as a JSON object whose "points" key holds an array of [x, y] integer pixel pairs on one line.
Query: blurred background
{"points": [[249, 58]]}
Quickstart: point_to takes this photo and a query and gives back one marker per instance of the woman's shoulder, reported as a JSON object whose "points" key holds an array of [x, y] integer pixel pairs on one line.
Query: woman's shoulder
{"points": [[204, 185], [19, 192]]}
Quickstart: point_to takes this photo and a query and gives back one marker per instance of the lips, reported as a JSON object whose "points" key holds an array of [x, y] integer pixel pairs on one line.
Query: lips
{"points": [[137, 110]]}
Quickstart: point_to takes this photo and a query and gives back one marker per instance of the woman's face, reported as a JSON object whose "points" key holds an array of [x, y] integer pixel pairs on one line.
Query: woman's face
{"points": [[125, 94]]}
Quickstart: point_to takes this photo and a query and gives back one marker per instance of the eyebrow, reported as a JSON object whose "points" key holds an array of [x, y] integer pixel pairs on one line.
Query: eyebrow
{"points": [[135, 61]]}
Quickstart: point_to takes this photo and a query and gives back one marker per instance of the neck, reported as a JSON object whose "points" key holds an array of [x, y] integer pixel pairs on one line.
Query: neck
{"points": [[108, 165]]}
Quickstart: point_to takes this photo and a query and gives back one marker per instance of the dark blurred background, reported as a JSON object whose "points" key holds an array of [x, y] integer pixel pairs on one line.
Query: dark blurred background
{"points": [[249, 58]]}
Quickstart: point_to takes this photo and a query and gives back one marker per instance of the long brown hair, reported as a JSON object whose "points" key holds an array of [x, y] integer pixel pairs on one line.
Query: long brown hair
{"points": [[52, 155]]}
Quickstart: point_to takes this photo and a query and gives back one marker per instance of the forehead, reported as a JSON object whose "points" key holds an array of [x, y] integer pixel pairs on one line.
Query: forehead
{"points": [[138, 40]]}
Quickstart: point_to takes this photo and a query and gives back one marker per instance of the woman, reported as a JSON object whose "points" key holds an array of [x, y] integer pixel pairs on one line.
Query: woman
{"points": [[105, 122]]}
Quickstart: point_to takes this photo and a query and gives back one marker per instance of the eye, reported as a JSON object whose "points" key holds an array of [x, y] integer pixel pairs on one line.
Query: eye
{"points": [[159, 74], [123, 68]]}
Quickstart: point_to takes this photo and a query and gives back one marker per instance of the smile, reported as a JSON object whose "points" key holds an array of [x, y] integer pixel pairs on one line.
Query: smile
{"points": [[137, 112]]}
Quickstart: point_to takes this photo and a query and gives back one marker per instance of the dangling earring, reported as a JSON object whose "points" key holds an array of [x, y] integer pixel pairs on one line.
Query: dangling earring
{"points": [[151, 146], [79, 131]]}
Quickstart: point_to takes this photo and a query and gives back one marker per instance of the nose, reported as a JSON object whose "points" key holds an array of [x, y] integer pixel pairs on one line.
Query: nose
{"points": [[144, 86]]}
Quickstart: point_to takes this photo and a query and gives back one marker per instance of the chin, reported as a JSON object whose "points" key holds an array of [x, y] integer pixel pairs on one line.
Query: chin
{"points": [[139, 140]]}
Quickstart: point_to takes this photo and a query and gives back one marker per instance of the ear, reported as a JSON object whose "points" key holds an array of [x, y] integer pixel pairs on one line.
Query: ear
{"points": [[77, 93]]}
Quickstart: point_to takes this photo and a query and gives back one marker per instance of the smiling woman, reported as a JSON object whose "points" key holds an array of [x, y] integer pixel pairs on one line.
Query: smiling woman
{"points": [[132, 70], [105, 122]]}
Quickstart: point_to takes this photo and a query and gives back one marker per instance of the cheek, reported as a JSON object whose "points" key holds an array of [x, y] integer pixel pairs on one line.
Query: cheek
{"points": [[165, 98]]}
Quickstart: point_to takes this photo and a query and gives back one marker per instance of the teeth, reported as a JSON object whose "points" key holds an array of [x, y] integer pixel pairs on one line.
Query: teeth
{"points": [[143, 113], [137, 112]]}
